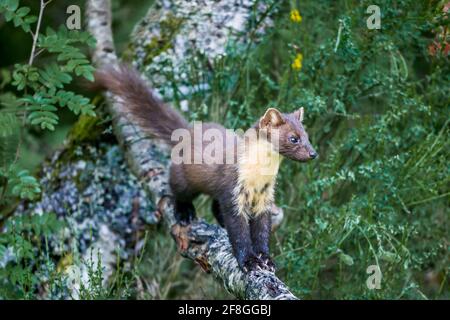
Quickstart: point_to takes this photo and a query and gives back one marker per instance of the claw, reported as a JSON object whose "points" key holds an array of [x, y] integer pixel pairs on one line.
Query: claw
{"points": [[267, 263]]}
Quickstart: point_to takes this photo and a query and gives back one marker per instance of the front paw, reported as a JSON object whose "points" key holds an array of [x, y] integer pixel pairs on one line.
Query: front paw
{"points": [[252, 263], [268, 263]]}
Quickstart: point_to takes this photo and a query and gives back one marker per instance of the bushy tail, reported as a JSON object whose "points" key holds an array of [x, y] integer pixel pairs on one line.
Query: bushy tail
{"points": [[149, 111]]}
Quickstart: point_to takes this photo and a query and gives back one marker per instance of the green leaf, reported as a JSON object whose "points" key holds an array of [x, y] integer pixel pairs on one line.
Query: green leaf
{"points": [[53, 76], [8, 124], [30, 19], [9, 100], [25, 186], [19, 80], [11, 5], [389, 256], [17, 21], [24, 75], [22, 12], [86, 71], [74, 55], [346, 259], [89, 75], [76, 103], [6, 77], [41, 111], [9, 15]]}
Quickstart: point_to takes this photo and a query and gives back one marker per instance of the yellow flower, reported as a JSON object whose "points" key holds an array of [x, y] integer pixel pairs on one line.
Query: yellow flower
{"points": [[297, 64], [295, 16]]}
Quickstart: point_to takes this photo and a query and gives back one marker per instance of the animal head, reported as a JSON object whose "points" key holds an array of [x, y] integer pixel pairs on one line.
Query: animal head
{"points": [[287, 129]]}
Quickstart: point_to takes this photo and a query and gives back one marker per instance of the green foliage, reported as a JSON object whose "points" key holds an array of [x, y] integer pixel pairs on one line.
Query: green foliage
{"points": [[95, 288], [25, 186], [31, 94], [19, 16], [72, 59], [376, 107], [39, 90], [47, 83], [24, 260]]}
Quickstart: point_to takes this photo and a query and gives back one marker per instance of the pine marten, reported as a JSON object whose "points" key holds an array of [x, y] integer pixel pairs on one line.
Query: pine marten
{"points": [[242, 190]]}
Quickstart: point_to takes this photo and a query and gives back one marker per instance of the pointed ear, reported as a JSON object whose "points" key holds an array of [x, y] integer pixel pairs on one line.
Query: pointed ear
{"points": [[299, 114], [272, 118]]}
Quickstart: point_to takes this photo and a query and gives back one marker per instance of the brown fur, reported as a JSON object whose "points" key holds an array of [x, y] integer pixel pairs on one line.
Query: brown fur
{"points": [[144, 107], [243, 196]]}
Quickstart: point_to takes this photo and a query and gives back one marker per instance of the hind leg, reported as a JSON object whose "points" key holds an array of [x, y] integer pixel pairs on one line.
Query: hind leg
{"points": [[184, 208], [217, 213], [184, 211]]}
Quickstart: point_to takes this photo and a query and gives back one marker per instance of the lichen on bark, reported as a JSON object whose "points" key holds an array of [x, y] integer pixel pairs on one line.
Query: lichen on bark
{"points": [[88, 185], [168, 42]]}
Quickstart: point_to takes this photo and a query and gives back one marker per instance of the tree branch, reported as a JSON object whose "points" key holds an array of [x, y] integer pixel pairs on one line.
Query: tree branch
{"points": [[204, 243]]}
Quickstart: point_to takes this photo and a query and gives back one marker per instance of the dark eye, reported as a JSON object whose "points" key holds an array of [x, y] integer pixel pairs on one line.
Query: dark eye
{"points": [[294, 140]]}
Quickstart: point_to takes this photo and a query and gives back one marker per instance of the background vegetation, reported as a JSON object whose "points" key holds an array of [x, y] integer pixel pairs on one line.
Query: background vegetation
{"points": [[377, 109]]}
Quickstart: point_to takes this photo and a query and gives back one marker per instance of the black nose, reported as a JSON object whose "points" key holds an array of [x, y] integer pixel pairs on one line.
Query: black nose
{"points": [[313, 155]]}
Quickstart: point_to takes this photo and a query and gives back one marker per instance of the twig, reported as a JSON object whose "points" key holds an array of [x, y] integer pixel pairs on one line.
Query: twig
{"points": [[36, 33]]}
